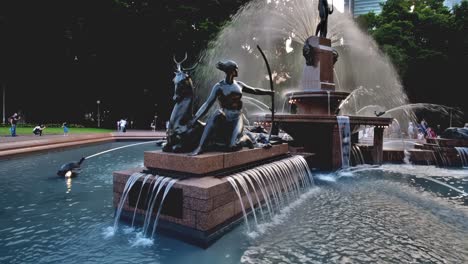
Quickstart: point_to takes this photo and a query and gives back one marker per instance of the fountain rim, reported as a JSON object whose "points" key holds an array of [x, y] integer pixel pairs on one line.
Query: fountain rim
{"points": [[331, 119], [316, 93]]}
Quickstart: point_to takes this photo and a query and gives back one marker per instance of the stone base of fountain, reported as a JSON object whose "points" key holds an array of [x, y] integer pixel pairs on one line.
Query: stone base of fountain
{"points": [[445, 153], [445, 142], [319, 134], [440, 152], [199, 209]]}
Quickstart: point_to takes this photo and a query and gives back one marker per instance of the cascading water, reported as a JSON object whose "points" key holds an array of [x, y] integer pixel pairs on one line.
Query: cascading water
{"points": [[345, 136], [463, 154], [271, 186], [128, 186], [139, 195], [357, 154], [157, 183], [441, 154]]}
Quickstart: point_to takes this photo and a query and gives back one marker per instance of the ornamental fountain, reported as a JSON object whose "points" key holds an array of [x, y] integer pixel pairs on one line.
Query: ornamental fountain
{"points": [[316, 126], [199, 198]]}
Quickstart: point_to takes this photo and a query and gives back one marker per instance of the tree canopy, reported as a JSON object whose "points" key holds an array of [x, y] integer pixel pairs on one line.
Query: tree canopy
{"points": [[428, 44]]}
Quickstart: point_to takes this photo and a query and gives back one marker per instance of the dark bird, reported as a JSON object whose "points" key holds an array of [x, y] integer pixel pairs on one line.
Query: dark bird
{"points": [[71, 169], [379, 113]]}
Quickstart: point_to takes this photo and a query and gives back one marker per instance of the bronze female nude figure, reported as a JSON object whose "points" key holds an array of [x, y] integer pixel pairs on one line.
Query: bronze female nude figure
{"points": [[226, 124]]}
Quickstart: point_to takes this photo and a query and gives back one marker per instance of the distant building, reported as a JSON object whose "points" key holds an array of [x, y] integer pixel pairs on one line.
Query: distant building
{"points": [[361, 7], [451, 3]]}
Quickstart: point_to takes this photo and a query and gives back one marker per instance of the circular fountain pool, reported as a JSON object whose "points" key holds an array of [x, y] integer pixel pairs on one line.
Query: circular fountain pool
{"points": [[372, 215]]}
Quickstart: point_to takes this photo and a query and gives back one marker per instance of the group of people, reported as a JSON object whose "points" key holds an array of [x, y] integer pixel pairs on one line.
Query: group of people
{"points": [[122, 125], [37, 130], [422, 130]]}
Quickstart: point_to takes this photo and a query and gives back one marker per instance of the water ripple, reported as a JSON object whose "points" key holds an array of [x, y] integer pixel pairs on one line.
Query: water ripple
{"points": [[367, 222]]}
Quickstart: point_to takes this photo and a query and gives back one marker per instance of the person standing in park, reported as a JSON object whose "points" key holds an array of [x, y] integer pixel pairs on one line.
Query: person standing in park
{"points": [[410, 130], [13, 121], [123, 125], [65, 128]]}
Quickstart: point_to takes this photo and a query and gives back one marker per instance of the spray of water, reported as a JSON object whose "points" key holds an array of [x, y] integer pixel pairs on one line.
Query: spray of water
{"points": [[280, 28]]}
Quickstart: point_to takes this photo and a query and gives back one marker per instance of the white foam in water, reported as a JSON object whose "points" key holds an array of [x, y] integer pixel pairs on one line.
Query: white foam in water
{"points": [[141, 241], [283, 214], [326, 177], [128, 230], [108, 232]]}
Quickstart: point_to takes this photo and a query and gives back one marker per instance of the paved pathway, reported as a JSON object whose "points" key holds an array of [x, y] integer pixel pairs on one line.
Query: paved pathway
{"points": [[12, 146]]}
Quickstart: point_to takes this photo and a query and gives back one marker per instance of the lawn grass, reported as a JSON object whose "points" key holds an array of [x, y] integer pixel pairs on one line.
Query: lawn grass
{"points": [[4, 131]]}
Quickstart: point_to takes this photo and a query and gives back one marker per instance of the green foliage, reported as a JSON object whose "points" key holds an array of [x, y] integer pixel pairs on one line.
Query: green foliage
{"points": [[427, 43]]}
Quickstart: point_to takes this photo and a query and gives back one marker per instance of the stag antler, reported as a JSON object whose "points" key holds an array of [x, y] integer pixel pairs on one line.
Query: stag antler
{"points": [[195, 65], [179, 63]]}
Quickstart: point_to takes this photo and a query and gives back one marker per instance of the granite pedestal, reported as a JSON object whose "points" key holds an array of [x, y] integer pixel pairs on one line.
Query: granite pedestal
{"points": [[201, 205]]}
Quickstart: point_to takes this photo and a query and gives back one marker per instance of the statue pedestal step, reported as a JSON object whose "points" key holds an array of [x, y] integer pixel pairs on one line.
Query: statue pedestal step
{"points": [[208, 163]]}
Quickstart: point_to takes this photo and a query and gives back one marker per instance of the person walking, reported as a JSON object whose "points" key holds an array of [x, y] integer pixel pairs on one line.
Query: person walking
{"points": [[13, 121], [123, 125]]}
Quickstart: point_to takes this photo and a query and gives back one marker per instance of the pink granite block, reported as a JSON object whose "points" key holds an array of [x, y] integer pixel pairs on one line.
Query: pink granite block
{"points": [[200, 164], [118, 187], [208, 220], [234, 159], [189, 218], [222, 187], [224, 198], [198, 204], [192, 191], [122, 176], [116, 199], [198, 187]]}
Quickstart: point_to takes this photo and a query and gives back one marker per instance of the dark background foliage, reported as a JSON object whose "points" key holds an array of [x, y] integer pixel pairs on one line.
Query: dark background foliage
{"points": [[57, 58]]}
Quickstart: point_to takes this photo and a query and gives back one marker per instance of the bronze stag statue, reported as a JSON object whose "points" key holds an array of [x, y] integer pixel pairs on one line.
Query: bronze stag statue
{"points": [[179, 138]]}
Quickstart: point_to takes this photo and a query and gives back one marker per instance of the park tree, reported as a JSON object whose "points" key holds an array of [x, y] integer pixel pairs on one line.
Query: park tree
{"points": [[427, 42]]}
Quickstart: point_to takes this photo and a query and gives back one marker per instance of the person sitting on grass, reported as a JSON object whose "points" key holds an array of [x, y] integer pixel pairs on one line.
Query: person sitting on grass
{"points": [[38, 130]]}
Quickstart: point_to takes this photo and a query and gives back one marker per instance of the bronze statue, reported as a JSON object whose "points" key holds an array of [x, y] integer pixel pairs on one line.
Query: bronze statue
{"points": [[324, 11], [179, 139], [225, 126]]}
